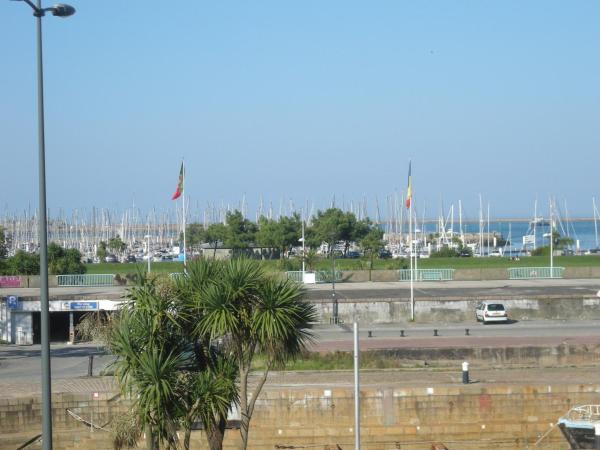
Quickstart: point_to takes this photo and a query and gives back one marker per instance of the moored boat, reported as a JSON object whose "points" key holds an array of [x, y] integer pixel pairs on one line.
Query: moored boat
{"points": [[579, 424]]}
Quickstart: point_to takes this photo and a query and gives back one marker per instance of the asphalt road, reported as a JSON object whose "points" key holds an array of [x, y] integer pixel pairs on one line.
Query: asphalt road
{"points": [[368, 290], [457, 289], [71, 361], [21, 363]]}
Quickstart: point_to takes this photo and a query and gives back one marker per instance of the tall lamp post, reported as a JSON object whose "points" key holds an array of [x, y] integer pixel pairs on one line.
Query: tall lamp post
{"points": [[59, 10]]}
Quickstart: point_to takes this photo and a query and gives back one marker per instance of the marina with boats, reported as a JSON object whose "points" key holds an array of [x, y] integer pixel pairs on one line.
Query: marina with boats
{"points": [[158, 233]]}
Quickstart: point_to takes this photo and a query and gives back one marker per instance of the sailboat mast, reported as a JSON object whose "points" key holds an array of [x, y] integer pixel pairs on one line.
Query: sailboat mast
{"points": [[595, 220]]}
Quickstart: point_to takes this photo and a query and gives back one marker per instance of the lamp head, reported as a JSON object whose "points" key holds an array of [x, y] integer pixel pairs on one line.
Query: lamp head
{"points": [[62, 10]]}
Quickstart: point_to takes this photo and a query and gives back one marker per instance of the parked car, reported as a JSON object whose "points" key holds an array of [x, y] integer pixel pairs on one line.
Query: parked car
{"points": [[130, 259], [487, 312], [383, 254], [352, 254], [110, 259]]}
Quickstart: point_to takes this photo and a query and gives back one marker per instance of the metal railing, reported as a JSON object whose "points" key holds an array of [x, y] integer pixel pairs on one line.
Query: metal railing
{"points": [[532, 273], [427, 274], [321, 276], [584, 413], [92, 280]]}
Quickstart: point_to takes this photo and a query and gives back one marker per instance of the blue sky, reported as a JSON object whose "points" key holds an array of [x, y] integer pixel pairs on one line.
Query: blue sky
{"points": [[305, 100]]}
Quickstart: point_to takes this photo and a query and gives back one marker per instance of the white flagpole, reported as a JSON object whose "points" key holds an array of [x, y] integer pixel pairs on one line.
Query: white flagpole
{"points": [[410, 237], [183, 221]]}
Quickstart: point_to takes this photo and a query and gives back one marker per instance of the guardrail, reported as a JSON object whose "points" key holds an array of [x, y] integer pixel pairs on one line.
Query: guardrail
{"points": [[533, 273], [92, 280], [321, 276], [427, 274]]}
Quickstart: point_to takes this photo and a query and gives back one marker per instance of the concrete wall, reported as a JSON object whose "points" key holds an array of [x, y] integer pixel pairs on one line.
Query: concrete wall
{"points": [[582, 272], [21, 327], [397, 310], [464, 417]]}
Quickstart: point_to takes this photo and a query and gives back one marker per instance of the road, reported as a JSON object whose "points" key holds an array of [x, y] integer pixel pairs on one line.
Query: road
{"points": [[22, 363], [457, 289], [368, 290], [71, 361]]}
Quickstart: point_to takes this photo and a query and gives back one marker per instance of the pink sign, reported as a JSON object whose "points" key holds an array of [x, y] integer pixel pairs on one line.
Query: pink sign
{"points": [[10, 282]]}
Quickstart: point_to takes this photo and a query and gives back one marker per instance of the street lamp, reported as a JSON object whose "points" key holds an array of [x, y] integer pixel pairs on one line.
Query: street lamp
{"points": [[334, 298], [59, 10]]}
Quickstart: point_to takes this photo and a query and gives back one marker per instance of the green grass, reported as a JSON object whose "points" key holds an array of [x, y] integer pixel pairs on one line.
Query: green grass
{"points": [[162, 267], [342, 361], [378, 264]]}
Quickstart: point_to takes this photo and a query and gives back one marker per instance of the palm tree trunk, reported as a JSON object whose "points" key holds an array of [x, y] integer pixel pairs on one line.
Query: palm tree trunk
{"points": [[215, 437], [247, 408], [187, 437], [215, 250], [151, 443], [244, 419]]}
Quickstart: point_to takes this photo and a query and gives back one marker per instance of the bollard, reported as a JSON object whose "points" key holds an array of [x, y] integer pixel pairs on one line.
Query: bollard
{"points": [[370, 333], [467, 332], [401, 333], [90, 365], [465, 372], [435, 332], [597, 436]]}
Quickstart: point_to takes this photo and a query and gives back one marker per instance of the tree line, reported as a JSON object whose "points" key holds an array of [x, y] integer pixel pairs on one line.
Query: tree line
{"points": [[332, 226], [60, 260]]}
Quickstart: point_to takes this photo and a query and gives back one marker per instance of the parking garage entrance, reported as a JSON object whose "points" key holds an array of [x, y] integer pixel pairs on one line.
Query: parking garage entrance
{"points": [[59, 325]]}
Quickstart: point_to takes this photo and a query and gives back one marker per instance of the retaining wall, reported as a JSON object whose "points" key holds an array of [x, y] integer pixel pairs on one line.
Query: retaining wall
{"points": [[461, 416], [455, 309]]}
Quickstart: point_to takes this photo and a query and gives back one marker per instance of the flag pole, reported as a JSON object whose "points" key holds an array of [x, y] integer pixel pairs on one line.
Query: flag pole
{"points": [[183, 220], [409, 205], [410, 237]]}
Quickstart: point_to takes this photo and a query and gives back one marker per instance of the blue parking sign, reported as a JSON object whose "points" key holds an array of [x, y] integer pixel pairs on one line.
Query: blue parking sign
{"points": [[12, 301]]}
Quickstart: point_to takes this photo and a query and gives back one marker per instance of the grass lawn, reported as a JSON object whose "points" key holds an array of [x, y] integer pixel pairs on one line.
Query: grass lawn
{"points": [[162, 267], [342, 361], [378, 264]]}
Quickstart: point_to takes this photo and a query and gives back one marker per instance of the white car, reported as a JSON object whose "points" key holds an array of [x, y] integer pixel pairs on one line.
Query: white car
{"points": [[487, 312]]}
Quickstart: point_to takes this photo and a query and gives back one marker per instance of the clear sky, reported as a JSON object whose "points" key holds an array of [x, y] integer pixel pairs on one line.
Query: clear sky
{"points": [[305, 100]]}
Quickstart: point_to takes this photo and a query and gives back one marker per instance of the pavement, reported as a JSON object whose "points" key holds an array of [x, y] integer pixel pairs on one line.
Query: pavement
{"points": [[362, 290], [22, 364], [375, 378], [457, 289], [543, 333]]}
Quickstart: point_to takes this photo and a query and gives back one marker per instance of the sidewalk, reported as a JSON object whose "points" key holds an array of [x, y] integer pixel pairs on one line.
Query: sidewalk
{"points": [[406, 378]]}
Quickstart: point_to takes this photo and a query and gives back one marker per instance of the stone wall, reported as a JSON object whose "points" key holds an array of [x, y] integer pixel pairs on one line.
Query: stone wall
{"points": [[461, 416], [454, 309]]}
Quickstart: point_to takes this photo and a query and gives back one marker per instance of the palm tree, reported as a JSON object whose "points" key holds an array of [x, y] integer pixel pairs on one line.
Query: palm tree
{"points": [[255, 313], [208, 388], [174, 375], [150, 355]]}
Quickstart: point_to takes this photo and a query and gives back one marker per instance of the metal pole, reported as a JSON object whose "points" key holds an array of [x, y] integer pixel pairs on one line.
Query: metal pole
{"points": [[551, 242], [303, 250], [43, 233], [148, 249], [356, 389], [183, 204], [412, 292], [335, 305]]}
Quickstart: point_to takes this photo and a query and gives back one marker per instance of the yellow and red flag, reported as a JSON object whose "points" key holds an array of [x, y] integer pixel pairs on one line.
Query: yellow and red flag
{"points": [[409, 188]]}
